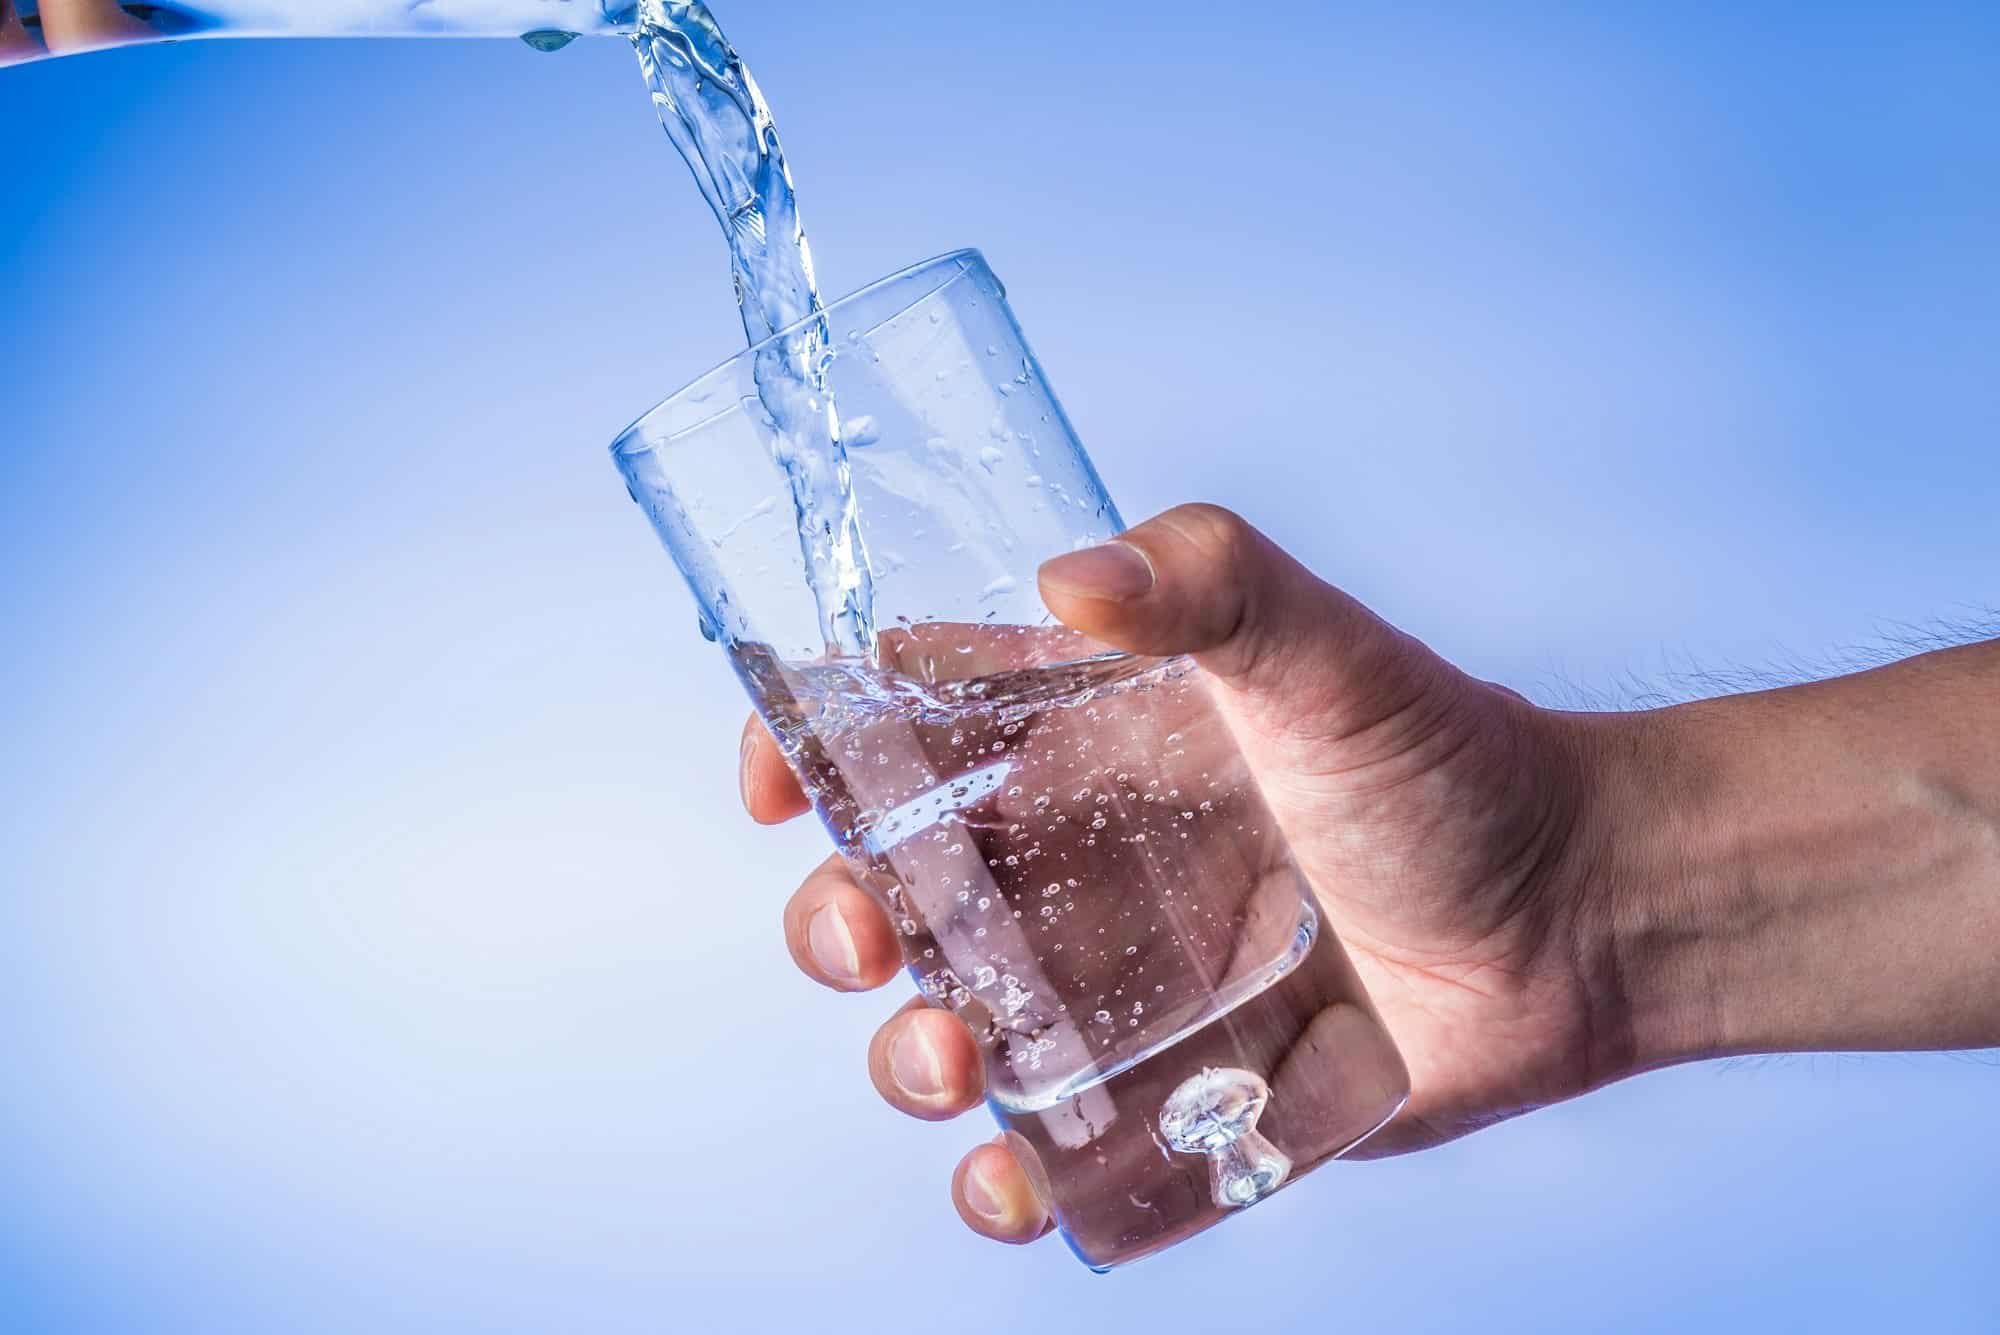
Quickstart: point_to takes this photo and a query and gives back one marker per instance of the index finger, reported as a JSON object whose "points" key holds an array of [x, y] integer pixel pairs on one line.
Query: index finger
{"points": [[771, 793]]}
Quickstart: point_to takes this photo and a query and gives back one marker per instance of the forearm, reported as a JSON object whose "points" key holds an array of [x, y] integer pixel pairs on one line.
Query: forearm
{"points": [[1813, 868]]}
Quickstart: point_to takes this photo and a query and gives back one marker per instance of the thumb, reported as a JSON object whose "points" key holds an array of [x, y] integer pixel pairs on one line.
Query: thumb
{"points": [[1199, 580]]}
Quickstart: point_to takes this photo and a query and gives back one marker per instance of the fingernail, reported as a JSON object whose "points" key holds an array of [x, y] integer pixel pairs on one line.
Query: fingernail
{"points": [[1112, 570], [913, 1063], [832, 946], [982, 1198], [743, 766]]}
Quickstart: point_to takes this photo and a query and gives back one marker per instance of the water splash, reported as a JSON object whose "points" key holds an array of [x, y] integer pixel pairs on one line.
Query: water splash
{"points": [[717, 118]]}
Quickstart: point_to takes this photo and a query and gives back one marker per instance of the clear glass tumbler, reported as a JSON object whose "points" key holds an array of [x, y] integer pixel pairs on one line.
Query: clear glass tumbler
{"points": [[1067, 838]]}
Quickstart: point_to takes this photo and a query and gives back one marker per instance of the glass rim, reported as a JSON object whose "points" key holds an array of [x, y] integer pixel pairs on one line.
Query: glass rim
{"points": [[624, 441]]}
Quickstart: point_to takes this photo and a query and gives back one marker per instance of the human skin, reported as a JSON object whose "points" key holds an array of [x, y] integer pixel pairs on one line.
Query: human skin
{"points": [[68, 26], [16, 42], [1539, 902]]}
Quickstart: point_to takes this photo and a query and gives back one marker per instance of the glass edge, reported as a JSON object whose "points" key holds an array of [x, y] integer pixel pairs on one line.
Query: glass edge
{"points": [[622, 443]]}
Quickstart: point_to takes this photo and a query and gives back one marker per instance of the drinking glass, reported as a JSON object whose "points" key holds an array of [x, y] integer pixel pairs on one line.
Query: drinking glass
{"points": [[1066, 838]]}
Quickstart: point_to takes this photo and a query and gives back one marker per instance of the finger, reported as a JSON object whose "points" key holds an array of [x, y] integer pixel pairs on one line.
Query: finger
{"points": [[837, 934], [925, 1063], [771, 792], [935, 651], [84, 25], [16, 42], [1198, 580], [994, 1196]]}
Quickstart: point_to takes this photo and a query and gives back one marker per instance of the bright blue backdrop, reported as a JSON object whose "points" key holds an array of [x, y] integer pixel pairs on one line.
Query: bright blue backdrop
{"points": [[381, 947]]}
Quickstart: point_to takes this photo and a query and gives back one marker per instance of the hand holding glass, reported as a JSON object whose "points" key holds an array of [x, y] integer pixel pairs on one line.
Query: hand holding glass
{"points": [[1067, 839]]}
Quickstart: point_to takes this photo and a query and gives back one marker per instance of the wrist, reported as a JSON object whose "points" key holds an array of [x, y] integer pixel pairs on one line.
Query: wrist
{"points": [[1652, 972], [1806, 869]]}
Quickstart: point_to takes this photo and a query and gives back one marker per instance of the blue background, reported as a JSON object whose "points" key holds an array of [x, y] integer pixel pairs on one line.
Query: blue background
{"points": [[381, 947]]}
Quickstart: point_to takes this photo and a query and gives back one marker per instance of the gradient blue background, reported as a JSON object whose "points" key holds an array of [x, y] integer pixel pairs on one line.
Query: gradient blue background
{"points": [[381, 947]]}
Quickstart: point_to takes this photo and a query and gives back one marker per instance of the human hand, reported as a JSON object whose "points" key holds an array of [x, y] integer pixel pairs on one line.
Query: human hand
{"points": [[1433, 813]]}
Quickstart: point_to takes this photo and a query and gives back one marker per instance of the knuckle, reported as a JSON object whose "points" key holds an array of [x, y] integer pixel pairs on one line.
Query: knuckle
{"points": [[1216, 535]]}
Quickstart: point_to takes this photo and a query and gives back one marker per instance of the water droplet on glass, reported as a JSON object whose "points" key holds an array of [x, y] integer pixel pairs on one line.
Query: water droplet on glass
{"points": [[548, 39]]}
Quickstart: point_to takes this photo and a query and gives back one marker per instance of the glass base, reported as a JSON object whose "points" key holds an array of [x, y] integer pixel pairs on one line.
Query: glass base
{"points": [[1210, 1011], [1301, 1073]]}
